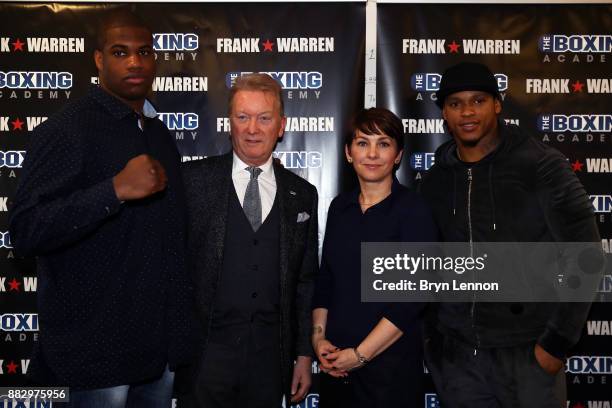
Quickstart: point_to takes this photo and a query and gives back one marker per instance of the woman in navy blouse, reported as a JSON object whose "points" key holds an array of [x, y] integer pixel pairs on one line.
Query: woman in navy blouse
{"points": [[370, 353]]}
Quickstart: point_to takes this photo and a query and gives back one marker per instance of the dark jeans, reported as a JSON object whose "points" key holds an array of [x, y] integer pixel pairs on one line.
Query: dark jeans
{"points": [[156, 393], [504, 377]]}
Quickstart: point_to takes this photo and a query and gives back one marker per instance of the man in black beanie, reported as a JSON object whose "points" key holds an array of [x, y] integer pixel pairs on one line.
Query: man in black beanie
{"points": [[494, 183]]}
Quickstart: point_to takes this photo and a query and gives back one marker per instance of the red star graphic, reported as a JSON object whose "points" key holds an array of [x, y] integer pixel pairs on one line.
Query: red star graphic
{"points": [[14, 285], [578, 405], [17, 124], [577, 166], [453, 47], [18, 45], [268, 45], [577, 86], [11, 368]]}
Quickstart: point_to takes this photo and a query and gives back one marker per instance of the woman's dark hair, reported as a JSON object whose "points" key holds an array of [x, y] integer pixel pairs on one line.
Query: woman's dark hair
{"points": [[376, 121]]}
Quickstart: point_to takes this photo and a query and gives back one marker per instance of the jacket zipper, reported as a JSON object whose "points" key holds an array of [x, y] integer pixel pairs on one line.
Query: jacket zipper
{"points": [[469, 205]]}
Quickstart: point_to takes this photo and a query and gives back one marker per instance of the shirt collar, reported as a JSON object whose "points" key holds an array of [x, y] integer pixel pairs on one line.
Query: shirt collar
{"points": [[149, 110], [238, 166], [352, 199], [115, 107]]}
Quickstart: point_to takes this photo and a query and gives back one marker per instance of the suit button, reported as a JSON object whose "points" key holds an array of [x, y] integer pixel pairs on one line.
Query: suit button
{"points": [[255, 242], [254, 295]]}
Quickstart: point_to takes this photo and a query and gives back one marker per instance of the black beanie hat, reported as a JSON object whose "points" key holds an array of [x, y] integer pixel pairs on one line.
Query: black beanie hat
{"points": [[466, 76]]}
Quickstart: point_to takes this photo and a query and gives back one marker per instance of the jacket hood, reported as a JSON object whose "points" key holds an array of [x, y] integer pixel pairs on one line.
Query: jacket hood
{"points": [[446, 158]]}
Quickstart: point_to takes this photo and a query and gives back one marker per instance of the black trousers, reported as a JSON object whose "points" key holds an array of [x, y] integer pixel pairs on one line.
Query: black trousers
{"points": [[504, 377], [394, 379], [240, 369]]}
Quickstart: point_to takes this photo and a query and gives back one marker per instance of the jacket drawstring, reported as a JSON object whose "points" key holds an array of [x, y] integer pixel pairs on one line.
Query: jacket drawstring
{"points": [[491, 195], [454, 192]]}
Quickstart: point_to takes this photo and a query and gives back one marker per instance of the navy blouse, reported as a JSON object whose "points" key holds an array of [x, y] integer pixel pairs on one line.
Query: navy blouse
{"points": [[401, 217]]}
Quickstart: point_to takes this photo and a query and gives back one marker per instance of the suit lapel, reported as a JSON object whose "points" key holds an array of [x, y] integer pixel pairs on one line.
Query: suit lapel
{"points": [[219, 215], [287, 201]]}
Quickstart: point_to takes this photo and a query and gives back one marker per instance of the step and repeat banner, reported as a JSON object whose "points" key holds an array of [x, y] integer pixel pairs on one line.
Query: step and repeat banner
{"points": [[552, 63], [46, 60]]}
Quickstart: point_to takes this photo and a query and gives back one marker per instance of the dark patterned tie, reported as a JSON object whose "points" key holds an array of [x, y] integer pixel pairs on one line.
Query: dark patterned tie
{"points": [[252, 200]]}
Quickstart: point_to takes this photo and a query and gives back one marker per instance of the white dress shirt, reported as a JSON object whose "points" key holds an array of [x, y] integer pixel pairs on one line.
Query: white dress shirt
{"points": [[266, 181]]}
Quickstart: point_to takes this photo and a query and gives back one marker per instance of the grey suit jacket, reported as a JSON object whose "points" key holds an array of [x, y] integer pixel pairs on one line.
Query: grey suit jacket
{"points": [[208, 184]]}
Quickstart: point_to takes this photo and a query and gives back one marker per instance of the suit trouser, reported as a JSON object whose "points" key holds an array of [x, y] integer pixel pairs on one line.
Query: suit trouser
{"points": [[503, 377], [240, 370]]}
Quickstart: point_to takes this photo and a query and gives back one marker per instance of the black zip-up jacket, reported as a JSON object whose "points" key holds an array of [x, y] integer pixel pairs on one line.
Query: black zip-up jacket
{"points": [[523, 191]]}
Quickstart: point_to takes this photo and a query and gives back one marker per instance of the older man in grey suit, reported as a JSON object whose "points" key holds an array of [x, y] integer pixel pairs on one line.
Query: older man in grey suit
{"points": [[253, 240]]}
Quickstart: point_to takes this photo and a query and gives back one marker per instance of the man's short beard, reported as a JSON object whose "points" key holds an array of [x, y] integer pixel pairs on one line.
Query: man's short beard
{"points": [[467, 143]]}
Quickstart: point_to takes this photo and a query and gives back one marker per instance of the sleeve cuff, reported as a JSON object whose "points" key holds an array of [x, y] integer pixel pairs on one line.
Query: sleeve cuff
{"points": [[404, 315], [554, 344], [306, 351], [320, 297], [318, 303], [108, 198]]}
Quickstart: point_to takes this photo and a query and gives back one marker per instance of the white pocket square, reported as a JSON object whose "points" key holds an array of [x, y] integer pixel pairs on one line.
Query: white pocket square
{"points": [[303, 216]]}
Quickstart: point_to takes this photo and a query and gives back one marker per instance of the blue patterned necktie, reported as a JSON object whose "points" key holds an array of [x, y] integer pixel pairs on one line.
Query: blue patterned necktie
{"points": [[252, 199]]}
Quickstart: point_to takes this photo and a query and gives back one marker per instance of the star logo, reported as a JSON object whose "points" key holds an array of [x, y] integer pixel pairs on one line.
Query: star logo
{"points": [[17, 124], [14, 285], [577, 166], [453, 47], [577, 86], [268, 45], [579, 405], [11, 368], [18, 45]]}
